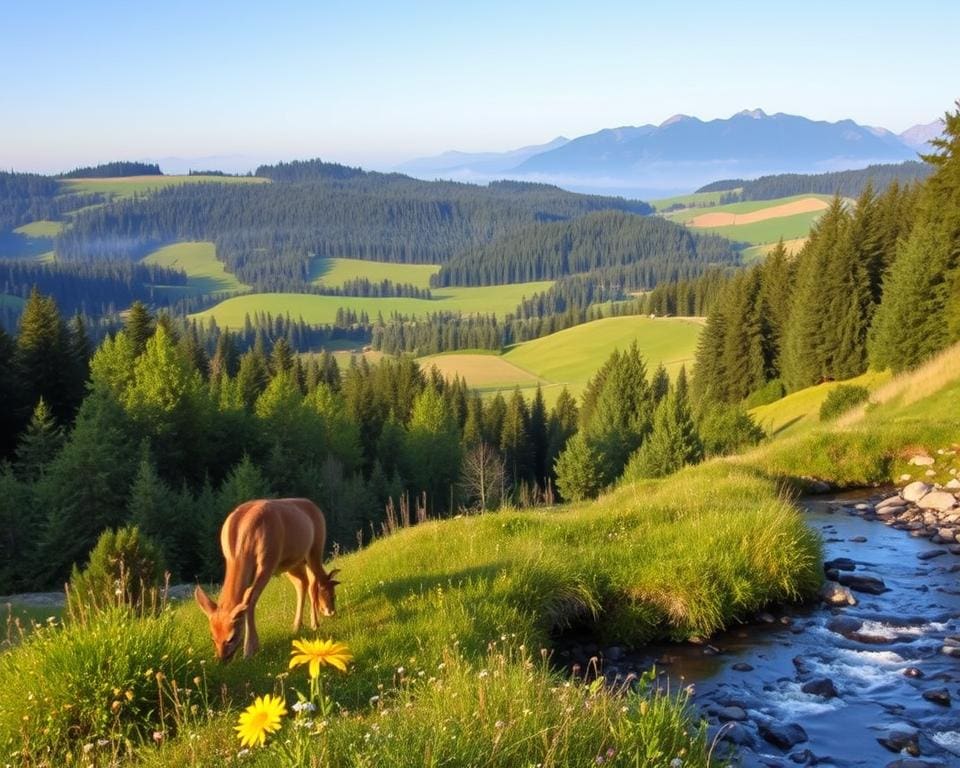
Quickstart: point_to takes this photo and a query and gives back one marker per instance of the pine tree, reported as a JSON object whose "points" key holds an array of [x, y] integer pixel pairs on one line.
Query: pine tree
{"points": [[39, 444], [252, 377], [245, 482], [150, 508], [537, 430], [515, 444], [562, 426], [10, 395], [579, 470], [432, 450], [281, 357], [659, 384], [42, 358], [473, 426], [139, 326]]}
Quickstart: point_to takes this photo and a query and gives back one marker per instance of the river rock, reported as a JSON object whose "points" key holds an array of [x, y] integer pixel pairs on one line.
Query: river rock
{"points": [[941, 501], [914, 672], [731, 714], [742, 666], [860, 583], [939, 696], [891, 501], [897, 741], [951, 651], [930, 554], [916, 491], [947, 534], [921, 461], [837, 594], [783, 735], [953, 484], [840, 564], [820, 686], [737, 734]]}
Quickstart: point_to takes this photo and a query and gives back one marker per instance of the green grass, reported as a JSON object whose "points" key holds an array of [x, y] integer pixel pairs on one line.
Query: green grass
{"points": [[800, 410], [128, 186], [757, 252], [570, 357], [498, 299], [42, 228], [701, 199], [335, 272], [205, 273], [747, 206], [769, 231]]}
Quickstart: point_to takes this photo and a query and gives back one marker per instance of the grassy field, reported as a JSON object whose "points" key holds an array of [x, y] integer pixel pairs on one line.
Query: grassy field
{"points": [[747, 206], [499, 299], [205, 273], [483, 371], [695, 199], [800, 410], [32, 241], [570, 357], [757, 252], [335, 272], [128, 186], [43, 229]]}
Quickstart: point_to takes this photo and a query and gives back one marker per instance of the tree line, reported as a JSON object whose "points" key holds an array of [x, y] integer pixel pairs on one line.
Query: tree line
{"points": [[114, 169], [843, 183], [877, 283]]}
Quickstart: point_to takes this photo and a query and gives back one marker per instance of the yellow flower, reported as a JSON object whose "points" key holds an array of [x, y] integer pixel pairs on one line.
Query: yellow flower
{"points": [[319, 652], [259, 719]]}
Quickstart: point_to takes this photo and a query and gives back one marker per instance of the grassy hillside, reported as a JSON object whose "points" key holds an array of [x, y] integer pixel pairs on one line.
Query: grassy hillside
{"points": [[128, 186], [801, 410], [756, 252], [769, 231], [30, 241], [747, 206], [335, 272], [693, 200], [498, 299], [205, 273], [570, 357]]}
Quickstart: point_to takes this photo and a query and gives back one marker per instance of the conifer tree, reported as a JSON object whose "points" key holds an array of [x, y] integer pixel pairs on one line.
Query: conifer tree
{"points": [[139, 326], [537, 430], [562, 426], [38, 445], [473, 427], [515, 444], [150, 508], [579, 469], [659, 384], [43, 359]]}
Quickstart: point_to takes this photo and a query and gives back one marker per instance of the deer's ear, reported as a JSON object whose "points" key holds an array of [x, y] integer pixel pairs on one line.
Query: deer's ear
{"points": [[206, 604], [243, 604], [333, 573]]}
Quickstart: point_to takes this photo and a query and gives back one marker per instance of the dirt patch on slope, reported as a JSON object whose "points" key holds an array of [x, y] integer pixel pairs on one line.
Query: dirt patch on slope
{"points": [[725, 219]]}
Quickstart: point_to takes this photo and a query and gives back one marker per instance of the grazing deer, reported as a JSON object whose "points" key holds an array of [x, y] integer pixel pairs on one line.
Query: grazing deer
{"points": [[259, 539]]}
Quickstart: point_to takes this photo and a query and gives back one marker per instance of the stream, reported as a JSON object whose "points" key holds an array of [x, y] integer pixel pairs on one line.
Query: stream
{"points": [[870, 685]]}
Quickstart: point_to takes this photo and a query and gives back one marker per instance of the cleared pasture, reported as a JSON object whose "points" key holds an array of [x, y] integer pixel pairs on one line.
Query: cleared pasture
{"points": [[128, 186], [335, 272], [205, 272]]}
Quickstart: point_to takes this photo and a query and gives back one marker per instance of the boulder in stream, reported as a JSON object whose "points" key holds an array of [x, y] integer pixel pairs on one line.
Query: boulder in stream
{"points": [[783, 735], [871, 585], [916, 491], [837, 594]]}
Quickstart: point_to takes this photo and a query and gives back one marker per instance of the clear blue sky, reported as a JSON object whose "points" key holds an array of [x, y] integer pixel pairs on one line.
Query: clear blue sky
{"points": [[377, 83]]}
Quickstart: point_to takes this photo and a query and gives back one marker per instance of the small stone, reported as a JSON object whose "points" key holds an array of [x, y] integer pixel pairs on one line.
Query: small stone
{"points": [[738, 734], [916, 491], [939, 696], [742, 666], [904, 478], [930, 554], [836, 594], [783, 736], [938, 500], [953, 484], [860, 583], [858, 539], [891, 501], [913, 672], [731, 714], [930, 473], [820, 686], [840, 564], [952, 651], [921, 461], [897, 741]]}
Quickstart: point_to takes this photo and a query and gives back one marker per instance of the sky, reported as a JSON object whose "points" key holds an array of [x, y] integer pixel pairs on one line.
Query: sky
{"points": [[373, 83]]}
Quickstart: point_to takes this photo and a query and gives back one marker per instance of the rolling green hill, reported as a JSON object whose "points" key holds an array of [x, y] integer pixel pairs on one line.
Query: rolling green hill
{"points": [[205, 273], [335, 272], [127, 186], [570, 357], [499, 300]]}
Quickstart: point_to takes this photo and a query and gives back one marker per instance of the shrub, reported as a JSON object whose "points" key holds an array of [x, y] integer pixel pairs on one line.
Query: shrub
{"points": [[727, 429], [124, 568], [579, 472], [104, 684], [842, 399], [768, 393]]}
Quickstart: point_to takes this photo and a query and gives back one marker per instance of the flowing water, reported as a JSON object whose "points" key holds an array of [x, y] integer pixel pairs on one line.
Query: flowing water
{"points": [[881, 657]]}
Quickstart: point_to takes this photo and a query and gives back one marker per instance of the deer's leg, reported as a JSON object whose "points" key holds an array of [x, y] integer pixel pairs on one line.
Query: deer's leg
{"points": [[314, 587], [298, 576], [251, 643]]}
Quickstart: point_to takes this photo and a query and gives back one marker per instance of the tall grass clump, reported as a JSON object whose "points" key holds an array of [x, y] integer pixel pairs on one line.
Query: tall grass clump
{"points": [[95, 688], [842, 399]]}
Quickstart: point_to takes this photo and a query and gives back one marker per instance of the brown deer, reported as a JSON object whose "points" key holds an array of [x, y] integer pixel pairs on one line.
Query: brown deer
{"points": [[259, 539]]}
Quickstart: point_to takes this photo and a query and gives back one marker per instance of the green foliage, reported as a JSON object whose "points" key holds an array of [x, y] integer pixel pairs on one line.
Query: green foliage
{"points": [[39, 443], [125, 569], [579, 469], [151, 510], [19, 521], [842, 399], [727, 429], [770, 392], [432, 449], [109, 677]]}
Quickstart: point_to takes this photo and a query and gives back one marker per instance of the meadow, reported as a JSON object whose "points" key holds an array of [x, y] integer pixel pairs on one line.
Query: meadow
{"points": [[757, 252], [498, 299], [205, 273], [570, 357], [30, 241], [127, 186], [336, 272], [693, 200]]}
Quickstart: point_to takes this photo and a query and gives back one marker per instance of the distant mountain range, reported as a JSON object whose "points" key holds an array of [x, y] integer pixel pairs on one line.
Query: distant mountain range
{"points": [[684, 152]]}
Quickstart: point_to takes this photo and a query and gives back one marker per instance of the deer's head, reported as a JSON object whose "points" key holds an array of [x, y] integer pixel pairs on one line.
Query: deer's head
{"points": [[325, 593], [226, 625]]}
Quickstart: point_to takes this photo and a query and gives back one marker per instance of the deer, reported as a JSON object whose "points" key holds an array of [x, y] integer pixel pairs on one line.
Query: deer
{"points": [[260, 539]]}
